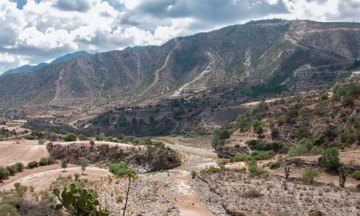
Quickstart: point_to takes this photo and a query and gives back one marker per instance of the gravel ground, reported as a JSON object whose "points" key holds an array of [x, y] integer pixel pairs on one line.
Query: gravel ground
{"points": [[245, 195]]}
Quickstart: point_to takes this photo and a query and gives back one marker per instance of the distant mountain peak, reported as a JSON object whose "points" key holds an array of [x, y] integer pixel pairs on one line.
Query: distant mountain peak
{"points": [[34, 68]]}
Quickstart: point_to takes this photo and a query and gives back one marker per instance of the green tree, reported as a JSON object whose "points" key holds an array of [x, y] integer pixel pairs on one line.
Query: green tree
{"points": [[64, 164], [70, 137], [330, 159], [122, 170], [84, 164], [219, 136]]}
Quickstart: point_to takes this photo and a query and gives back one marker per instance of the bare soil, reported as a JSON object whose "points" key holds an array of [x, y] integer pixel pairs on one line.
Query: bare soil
{"points": [[22, 151]]}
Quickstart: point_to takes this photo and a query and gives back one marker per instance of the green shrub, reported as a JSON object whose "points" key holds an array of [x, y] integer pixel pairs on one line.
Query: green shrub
{"points": [[19, 167], [8, 210], [262, 155], [110, 139], [242, 157], [256, 155], [193, 174], [129, 139], [356, 175], [119, 199], [330, 159], [33, 164], [82, 137], [213, 169], [304, 147], [254, 169], [219, 136], [274, 165], [53, 136], [4, 173], [259, 130], [70, 137], [46, 161], [260, 145], [29, 137], [243, 122], [11, 169], [119, 169], [20, 189], [309, 176], [100, 137]]}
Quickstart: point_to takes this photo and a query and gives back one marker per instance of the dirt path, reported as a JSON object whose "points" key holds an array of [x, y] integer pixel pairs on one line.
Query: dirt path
{"points": [[41, 178], [57, 86], [181, 192], [157, 72], [186, 199], [210, 67], [208, 153]]}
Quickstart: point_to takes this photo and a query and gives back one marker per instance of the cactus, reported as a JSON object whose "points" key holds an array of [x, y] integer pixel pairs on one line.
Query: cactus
{"points": [[287, 172], [342, 177], [78, 201]]}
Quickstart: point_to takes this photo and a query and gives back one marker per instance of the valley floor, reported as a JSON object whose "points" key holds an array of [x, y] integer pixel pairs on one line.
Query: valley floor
{"points": [[175, 192]]}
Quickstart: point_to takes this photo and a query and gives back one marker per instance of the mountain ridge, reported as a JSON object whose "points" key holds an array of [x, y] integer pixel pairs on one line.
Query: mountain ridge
{"points": [[34, 68], [268, 56]]}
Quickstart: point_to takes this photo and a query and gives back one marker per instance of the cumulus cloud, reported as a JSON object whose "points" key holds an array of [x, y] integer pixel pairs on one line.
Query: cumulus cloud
{"points": [[33, 31]]}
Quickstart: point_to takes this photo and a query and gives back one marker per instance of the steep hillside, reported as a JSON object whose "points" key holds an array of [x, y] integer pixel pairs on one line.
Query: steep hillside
{"points": [[302, 124], [268, 56]]}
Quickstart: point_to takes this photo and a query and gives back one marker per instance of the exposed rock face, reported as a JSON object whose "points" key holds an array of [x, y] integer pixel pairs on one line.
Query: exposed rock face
{"points": [[266, 53], [142, 158]]}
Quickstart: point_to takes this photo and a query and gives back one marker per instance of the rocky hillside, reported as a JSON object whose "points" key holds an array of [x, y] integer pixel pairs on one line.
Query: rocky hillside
{"points": [[301, 124], [269, 56]]}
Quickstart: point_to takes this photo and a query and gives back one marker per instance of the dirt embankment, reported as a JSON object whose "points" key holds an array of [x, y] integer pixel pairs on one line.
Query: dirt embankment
{"points": [[142, 158]]}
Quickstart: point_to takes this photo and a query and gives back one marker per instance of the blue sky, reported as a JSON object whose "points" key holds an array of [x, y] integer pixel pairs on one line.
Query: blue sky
{"points": [[33, 31]]}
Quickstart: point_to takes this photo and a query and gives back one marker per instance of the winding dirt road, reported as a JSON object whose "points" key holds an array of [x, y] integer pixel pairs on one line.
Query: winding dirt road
{"points": [[157, 72], [182, 192]]}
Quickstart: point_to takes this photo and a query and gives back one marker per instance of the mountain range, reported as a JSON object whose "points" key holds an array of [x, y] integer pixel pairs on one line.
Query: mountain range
{"points": [[34, 68], [267, 56]]}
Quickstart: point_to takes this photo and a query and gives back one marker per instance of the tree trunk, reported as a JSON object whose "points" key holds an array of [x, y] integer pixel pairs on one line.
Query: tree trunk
{"points": [[127, 195]]}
